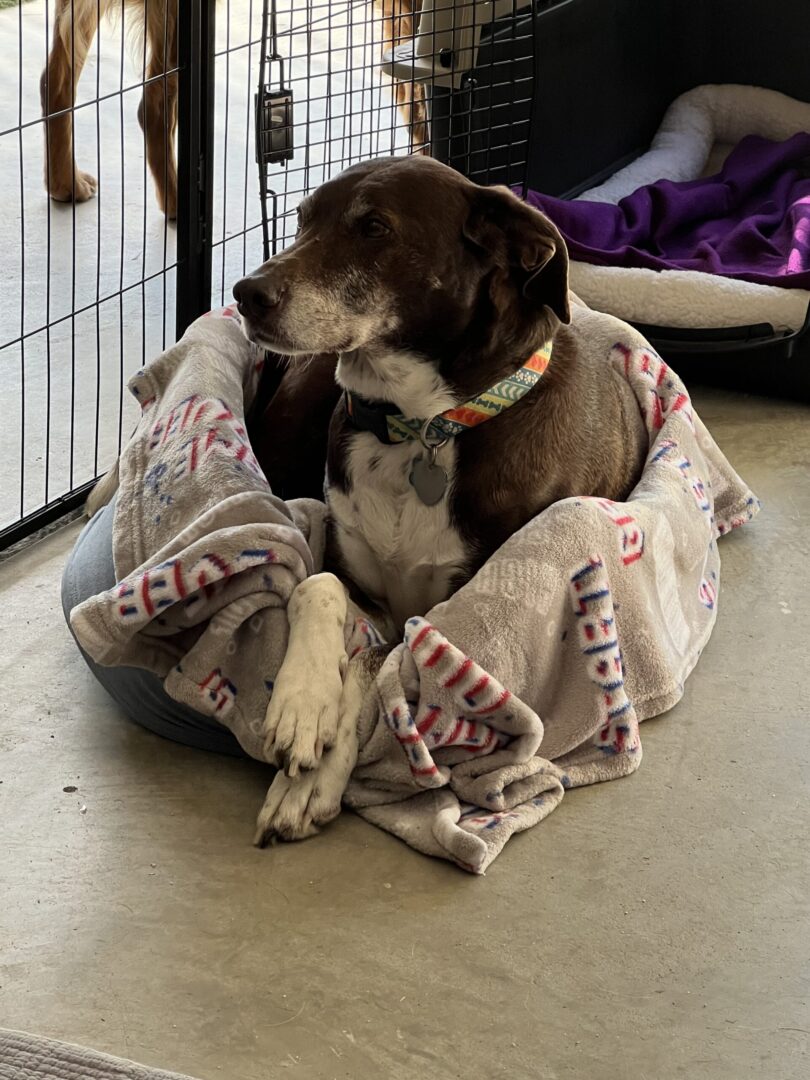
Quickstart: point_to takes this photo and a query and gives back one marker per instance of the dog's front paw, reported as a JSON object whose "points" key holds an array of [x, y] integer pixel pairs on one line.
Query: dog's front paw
{"points": [[79, 189], [302, 717], [296, 807]]}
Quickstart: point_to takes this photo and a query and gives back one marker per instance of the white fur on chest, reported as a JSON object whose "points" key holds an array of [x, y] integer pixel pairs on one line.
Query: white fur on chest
{"points": [[401, 552]]}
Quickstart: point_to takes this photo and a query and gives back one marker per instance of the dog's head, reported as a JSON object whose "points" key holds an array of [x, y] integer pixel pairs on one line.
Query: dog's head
{"points": [[403, 258]]}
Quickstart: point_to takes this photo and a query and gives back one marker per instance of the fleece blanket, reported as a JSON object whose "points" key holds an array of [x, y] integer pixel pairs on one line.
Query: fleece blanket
{"points": [[30, 1057], [696, 135], [529, 681]]}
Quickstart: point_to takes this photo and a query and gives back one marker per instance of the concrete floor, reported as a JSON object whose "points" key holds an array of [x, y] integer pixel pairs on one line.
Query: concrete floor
{"points": [[653, 928]]}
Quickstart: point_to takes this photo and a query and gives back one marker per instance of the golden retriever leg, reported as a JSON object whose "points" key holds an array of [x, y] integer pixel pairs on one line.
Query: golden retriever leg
{"points": [[399, 18], [158, 109], [413, 109], [74, 28]]}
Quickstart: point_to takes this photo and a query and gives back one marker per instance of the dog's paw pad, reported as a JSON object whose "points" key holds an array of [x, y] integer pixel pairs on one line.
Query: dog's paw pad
{"points": [[79, 190]]}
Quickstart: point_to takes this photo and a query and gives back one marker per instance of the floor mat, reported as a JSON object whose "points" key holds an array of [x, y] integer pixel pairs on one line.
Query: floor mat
{"points": [[30, 1057]]}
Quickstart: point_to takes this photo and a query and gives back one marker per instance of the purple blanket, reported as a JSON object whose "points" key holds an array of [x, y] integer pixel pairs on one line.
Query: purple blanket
{"points": [[750, 221]]}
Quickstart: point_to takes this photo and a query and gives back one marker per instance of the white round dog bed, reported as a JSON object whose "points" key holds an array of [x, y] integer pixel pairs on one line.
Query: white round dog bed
{"points": [[698, 131]]}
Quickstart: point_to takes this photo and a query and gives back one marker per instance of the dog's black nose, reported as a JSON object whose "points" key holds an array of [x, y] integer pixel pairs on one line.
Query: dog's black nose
{"points": [[256, 296]]}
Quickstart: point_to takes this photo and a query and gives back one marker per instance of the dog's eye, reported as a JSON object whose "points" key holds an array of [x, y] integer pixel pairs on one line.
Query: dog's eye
{"points": [[300, 224], [374, 227]]}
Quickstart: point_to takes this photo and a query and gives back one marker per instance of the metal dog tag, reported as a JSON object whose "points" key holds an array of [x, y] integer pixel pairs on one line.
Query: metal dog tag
{"points": [[429, 480]]}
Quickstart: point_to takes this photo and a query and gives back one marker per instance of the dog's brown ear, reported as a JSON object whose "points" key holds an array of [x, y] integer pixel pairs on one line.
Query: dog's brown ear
{"points": [[525, 242]]}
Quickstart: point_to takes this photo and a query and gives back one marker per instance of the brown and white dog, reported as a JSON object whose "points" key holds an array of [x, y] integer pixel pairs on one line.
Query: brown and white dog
{"points": [[419, 290], [155, 22]]}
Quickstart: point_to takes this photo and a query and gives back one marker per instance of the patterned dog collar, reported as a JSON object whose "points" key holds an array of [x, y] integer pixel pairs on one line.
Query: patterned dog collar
{"points": [[391, 426]]}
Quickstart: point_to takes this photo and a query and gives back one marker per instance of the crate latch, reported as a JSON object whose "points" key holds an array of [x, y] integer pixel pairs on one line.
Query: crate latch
{"points": [[274, 125]]}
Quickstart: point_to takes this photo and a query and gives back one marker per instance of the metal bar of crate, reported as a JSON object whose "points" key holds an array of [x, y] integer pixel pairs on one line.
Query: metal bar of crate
{"points": [[195, 158]]}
